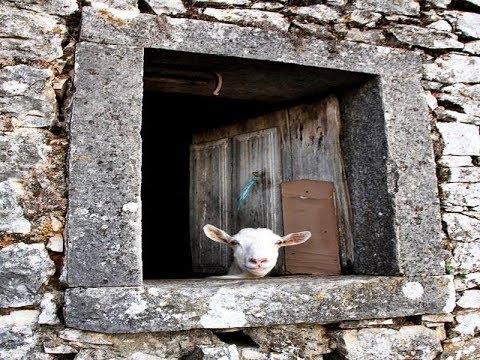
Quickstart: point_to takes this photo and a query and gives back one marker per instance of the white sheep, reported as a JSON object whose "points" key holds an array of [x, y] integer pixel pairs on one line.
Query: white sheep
{"points": [[255, 251]]}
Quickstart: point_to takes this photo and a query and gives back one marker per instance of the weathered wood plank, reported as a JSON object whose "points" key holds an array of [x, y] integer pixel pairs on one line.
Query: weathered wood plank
{"points": [[316, 155], [210, 203], [258, 153]]}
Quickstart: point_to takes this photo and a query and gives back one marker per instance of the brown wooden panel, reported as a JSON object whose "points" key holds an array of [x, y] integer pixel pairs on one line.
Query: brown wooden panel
{"points": [[316, 155], [210, 203], [310, 205]]}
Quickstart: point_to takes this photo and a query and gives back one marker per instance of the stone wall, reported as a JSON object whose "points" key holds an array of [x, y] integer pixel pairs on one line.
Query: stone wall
{"points": [[36, 66]]}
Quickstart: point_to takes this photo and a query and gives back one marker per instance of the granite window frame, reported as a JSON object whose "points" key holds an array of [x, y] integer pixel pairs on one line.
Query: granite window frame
{"points": [[395, 204]]}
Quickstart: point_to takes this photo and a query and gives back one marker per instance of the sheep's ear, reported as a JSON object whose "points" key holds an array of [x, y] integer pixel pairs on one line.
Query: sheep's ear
{"points": [[218, 235], [295, 238]]}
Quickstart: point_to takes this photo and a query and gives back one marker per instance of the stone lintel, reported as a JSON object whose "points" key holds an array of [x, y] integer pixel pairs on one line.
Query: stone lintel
{"points": [[198, 36], [173, 305]]}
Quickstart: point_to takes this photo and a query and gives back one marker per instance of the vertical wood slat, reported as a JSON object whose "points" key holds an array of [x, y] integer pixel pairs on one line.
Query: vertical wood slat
{"points": [[210, 203], [258, 151], [316, 155]]}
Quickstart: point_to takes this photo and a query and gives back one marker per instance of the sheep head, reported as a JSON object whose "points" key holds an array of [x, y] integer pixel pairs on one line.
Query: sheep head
{"points": [[255, 251]]}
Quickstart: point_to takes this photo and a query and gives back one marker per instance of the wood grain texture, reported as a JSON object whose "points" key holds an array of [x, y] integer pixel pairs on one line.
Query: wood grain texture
{"points": [[310, 205], [210, 203]]}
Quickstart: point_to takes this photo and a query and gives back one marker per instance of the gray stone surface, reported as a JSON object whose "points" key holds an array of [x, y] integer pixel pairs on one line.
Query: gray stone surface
{"points": [[409, 342], [467, 323], [118, 7], [455, 116], [466, 257], [266, 19], [27, 97], [223, 2], [165, 345], [363, 17], [469, 174], [467, 23], [473, 47], [406, 7], [267, 5], [24, 268], [226, 352], [455, 161], [461, 194], [27, 35], [366, 36], [304, 341], [470, 299], [459, 139], [12, 219], [452, 68], [319, 13], [467, 281], [182, 305], [169, 7], [462, 227], [17, 335], [467, 97], [54, 7], [427, 38], [461, 349], [104, 215], [20, 151], [49, 306], [382, 246]]}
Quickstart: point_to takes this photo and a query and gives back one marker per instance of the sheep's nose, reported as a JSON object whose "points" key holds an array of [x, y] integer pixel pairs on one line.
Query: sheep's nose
{"points": [[258, 261]]}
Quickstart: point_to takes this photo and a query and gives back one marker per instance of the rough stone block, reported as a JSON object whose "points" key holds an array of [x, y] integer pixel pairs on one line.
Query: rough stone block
{"points": [[473, 47], [415, 342], [54, 7], [467, 281], [406, 7], [469, 174], [28, 35], [462, 227], [467, 97], [27, 97], [305, 341], [227, 352], [20, 151], [104, 217], [24, 268], [49, 308], [427, 38], [470, 299], [461, 194], [319, 13], [189, 304], [467, 257], [460, 139], [453, 68], [17, 335], [465, 349], [468, 324], [251, 17], [468, 23], [169, 7], [11, 213]]}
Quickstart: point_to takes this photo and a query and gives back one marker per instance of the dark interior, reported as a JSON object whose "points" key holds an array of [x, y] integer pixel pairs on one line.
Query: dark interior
{"points": [[178, 101]]}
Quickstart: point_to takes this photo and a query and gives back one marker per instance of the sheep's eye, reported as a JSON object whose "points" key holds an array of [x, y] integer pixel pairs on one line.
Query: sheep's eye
{"points": [[279, 242], [234, 242]]}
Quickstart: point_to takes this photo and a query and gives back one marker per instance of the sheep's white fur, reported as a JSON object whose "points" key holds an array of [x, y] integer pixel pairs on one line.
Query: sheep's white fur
{"points": [[255, 251]]}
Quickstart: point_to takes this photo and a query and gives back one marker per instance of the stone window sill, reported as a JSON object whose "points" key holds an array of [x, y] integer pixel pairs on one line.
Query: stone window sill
{"points": [[173, 305]]}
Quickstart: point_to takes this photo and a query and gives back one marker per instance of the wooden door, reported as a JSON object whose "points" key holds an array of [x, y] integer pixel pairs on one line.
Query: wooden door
{"points": [[301, 142]]}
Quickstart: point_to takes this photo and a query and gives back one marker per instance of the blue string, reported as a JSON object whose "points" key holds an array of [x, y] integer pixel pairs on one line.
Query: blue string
{"points": [[246, 191]]}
